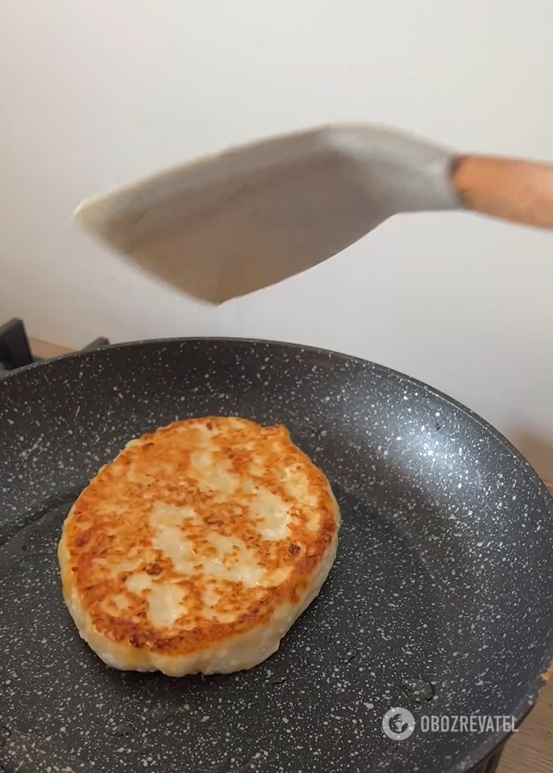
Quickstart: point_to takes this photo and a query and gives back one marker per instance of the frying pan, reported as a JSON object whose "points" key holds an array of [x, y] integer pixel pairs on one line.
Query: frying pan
{"points": [[440, 601]]}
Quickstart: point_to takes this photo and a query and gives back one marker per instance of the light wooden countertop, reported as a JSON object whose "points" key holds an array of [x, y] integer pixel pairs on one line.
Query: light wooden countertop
{"points": [[528, 751], [46, 350]]}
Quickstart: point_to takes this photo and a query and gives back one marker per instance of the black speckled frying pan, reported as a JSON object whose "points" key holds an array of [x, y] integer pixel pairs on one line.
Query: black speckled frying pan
{"points": [[440, 602]]}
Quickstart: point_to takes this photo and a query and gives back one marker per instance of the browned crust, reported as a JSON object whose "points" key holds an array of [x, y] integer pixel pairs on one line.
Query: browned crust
{"points": [[92, 533]]}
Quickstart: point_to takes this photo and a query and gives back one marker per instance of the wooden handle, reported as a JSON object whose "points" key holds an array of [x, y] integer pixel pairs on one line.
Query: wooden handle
{"points": [[521, 191]]}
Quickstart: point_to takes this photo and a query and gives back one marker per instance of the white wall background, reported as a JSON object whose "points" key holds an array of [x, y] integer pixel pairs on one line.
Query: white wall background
{"points": [[96, 93]]}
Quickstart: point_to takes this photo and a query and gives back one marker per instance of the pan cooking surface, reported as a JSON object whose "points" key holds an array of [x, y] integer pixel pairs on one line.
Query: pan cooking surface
{"points": [[439, 602]]}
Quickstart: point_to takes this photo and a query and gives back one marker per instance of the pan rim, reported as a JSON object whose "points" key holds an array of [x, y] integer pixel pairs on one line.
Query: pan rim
{"points": [[496, 741]]}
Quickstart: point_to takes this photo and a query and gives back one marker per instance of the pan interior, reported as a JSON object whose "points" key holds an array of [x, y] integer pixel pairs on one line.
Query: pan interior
{"points": [[439, 602]]}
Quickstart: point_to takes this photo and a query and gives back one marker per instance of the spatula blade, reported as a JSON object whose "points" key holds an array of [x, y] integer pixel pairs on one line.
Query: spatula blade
{"points": [[233, 223]]}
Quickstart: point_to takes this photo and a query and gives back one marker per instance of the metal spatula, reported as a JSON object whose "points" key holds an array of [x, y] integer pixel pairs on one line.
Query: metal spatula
{"points": [[233, 223]]}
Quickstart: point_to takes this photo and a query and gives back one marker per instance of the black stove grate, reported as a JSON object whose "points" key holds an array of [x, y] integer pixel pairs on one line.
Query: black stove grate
{"points": [[15, 350], [491, 763]]}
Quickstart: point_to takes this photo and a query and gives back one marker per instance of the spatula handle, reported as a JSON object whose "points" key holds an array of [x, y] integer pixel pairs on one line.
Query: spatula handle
{"points": [[521, 191]]}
